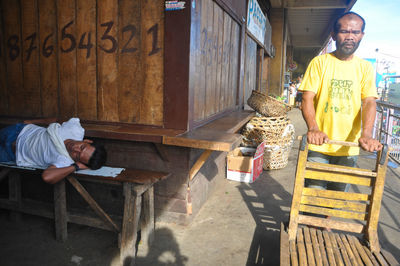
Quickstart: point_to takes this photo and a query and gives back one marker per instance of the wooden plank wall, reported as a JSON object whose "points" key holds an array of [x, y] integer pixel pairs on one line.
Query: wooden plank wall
{"points": [[214, 60], [250, 61], [100, 60]]}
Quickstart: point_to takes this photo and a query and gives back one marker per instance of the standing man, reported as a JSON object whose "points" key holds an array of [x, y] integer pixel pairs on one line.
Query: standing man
{"points": [[338, 102]]}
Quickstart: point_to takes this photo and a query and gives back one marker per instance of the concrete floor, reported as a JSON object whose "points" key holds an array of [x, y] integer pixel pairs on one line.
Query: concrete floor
{"points": [[238, 225]]}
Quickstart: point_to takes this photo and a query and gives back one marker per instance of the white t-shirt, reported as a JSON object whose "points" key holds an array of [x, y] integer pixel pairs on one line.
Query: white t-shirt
{"points": [[35, 147]]}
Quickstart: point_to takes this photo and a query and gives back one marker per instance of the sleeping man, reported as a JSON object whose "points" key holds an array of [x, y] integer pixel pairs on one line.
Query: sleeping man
{"points": [[59, 149]]}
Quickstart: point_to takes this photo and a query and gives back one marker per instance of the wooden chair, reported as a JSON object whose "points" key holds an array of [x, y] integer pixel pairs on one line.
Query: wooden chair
{"points": [[351, 213]]}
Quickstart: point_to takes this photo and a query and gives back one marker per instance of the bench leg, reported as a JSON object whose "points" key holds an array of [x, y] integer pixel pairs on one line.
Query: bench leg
{"points": [[147, 226], [130, 222], [60, 211], [14, 187]]}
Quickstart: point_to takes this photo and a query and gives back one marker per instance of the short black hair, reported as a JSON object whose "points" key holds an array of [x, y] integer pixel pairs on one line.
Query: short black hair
{"points": [[98, 158], [336, 25]]}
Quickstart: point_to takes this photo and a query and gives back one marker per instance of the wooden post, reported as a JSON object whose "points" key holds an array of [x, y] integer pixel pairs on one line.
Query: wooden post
{"points": [[130, 221], [15, 194], [60, 211], [147, 226]]}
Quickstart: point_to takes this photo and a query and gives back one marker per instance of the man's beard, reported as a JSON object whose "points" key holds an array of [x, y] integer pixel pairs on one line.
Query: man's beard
{"points": [[341, 47]]}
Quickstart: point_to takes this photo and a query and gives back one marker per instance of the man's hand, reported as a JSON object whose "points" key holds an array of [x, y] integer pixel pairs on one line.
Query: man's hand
{"points": [[82, 166], [369, 144], [315, 136]]}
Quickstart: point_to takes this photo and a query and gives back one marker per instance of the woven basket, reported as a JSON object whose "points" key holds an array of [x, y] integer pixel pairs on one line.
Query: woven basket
{"points": [[266, 105], [267, 129], [276, 156]]}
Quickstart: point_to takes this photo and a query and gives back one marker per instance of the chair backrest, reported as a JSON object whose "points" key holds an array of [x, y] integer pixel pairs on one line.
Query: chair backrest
{"points": [[348, 206]]}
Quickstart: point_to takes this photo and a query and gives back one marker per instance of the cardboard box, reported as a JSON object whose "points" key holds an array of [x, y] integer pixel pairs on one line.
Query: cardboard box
{"points": [[245, 164]]}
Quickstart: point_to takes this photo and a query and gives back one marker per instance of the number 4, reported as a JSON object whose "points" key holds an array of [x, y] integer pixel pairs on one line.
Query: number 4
{"points": [[88, 44]]}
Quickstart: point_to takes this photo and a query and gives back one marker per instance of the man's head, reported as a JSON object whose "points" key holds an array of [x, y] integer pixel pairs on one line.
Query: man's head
{"points": [[86, 152], [348, 31]]}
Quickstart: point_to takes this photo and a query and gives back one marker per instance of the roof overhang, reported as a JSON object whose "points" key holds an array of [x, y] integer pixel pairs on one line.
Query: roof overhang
{"points": [[310, 22]]}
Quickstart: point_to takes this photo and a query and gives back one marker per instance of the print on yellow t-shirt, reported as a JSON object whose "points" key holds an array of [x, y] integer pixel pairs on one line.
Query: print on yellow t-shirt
{"points": [[339, 87]]}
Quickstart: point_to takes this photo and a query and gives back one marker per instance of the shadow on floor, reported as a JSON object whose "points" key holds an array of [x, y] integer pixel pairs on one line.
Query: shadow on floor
{"points": [[166, 254], [269, 208]]}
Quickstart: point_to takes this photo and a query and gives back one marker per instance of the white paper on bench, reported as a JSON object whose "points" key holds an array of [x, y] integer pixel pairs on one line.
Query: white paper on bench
{"points": [[103, 171]]}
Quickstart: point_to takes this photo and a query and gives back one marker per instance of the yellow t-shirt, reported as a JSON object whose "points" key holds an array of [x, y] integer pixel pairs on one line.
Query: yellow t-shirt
{"points": [[339, 87]]}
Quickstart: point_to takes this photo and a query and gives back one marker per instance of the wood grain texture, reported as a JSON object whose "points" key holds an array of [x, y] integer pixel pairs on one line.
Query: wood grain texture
{"points": [[224, 100], [12, 33], [219, 17], [234, 65], [340, 169], [309, 246], [250, 67], [331, 223], [297, 191], [30, 59], [205, 139], [336, 194], [316, 247], [337, 177], [209, 52], [48, 59], [67, 59], [107, 66], [200, 63], [214, 60], [152, 17], [332, 212], [86, 60], [284, 247], [60, 211], [301, 247], [336, 204], [130, 74]]}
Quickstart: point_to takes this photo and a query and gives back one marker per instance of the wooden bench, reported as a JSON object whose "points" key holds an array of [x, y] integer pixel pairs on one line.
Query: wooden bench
{"points": [[357, 212], [138, 209]]}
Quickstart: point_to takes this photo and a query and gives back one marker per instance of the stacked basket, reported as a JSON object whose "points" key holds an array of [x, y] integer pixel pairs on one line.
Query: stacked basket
{"points": [[273, 128]]}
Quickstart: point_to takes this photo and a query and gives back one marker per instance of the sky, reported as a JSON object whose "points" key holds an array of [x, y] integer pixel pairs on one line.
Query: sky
{"points": [[382, 30]]}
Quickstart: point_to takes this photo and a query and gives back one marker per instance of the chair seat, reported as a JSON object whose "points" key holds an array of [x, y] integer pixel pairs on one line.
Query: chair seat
{"points": [[320, 247]]}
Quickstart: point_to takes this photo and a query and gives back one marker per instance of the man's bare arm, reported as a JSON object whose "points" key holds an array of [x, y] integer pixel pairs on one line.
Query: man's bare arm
{"points": [[314, 135], [53, 174], [368, 118]]}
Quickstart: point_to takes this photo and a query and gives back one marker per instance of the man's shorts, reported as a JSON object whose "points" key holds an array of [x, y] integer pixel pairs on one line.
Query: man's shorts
{"points": [[8, 135]]}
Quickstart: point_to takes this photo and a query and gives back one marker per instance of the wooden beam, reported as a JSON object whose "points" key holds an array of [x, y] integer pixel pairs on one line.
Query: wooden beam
{"points": [[315, 4], [199, 163], [92, 203]]}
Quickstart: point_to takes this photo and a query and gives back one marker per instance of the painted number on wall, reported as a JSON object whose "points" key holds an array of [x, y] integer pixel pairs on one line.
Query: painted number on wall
{"points": [[69, 42]]}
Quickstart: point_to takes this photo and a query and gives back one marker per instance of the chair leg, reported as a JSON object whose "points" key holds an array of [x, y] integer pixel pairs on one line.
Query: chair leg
{"points": [[60, 211]]}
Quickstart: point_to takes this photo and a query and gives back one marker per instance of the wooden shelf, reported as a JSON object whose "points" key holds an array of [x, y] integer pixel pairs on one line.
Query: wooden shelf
{"points": [[219, 135], [129, 132]]}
